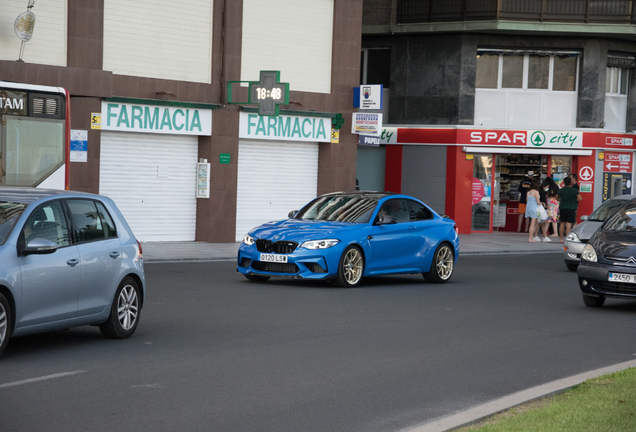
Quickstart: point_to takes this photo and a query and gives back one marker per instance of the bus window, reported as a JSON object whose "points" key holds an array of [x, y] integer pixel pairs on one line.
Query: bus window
{"points": [[33, 150]]}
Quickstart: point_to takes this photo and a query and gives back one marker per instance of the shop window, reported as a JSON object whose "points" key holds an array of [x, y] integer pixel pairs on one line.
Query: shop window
{"points": [[526, 89], [616, 88], [487, 71], [512, 72], [538, 72]]}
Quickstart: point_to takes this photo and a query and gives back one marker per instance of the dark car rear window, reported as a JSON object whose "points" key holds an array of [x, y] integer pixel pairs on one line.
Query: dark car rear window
{"points": [[623, 220], [9, 214]]}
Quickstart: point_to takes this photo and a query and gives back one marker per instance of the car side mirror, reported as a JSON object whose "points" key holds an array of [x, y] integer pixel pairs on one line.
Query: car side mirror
{"points": [[292, 213], [39, 246], [584, 218]]}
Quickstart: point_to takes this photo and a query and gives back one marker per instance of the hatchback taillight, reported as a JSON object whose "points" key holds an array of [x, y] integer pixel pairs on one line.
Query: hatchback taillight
{"points": [[456, 229], [141, 251]]}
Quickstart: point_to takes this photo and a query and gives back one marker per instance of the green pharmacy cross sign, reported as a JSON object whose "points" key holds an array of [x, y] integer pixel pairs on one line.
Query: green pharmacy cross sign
{"points": [[268, 93]]}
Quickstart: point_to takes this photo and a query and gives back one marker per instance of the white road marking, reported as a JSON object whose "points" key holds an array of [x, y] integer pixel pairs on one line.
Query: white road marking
{"points": [[155, 385], [42, 378], [555, 387]]}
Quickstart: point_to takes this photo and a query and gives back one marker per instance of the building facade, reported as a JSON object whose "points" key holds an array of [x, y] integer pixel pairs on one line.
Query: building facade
{"points": [[150, 83], [482, 92]]}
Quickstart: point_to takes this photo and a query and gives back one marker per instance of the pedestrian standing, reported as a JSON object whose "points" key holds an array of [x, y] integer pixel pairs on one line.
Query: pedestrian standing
{"points": [[568, 201], [524, 187], [543, 198], [532, 211], [575, 181], [552, 189]]}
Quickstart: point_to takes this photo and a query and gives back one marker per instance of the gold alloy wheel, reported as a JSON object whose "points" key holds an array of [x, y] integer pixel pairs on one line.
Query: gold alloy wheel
{"points": [[352, 266], [444, 263]]}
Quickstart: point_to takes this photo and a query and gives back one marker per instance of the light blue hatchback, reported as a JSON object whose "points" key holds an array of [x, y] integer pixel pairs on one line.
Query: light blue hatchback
{"points": [[67, 259]]}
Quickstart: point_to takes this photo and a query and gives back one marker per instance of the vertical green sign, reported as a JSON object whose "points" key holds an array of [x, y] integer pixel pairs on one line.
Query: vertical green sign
{"points": [[224, 158]]}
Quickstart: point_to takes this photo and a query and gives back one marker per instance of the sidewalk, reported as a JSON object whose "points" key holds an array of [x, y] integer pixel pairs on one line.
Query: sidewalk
{"points": [[470, 244]]}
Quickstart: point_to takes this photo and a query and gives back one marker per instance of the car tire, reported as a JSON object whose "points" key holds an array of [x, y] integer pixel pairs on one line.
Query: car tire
{"points": [[593, 301], [5, 323], [256, 278], [442, 266], [572, 266], [124, 312], [350, 268]]}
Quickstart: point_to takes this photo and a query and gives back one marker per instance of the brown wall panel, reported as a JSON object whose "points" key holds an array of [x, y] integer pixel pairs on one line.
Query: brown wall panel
{"points": [[85, 34], [85, 175]]}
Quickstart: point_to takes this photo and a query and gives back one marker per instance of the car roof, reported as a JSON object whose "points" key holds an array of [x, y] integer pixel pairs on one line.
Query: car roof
{"points": [[367, 194], [29, 195], [624, 197]]}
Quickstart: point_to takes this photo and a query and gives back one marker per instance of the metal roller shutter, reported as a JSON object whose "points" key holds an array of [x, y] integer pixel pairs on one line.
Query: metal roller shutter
{"points": [[152, 179], [273, 179]]}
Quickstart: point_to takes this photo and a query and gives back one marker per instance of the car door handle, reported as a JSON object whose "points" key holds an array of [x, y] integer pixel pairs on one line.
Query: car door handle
{"points": [[114, 254], [411, 227], [73, 262]]}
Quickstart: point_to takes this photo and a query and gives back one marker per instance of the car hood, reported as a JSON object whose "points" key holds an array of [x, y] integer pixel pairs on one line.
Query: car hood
{"points": [[616, 243], [302, 230], [585, 230]]}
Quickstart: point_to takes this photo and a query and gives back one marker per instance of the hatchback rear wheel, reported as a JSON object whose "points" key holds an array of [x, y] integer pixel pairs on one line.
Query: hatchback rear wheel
{"points": [[124, 312], [5, 323]]}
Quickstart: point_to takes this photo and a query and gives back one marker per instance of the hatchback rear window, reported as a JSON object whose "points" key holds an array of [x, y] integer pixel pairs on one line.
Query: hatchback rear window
{"points": [[9, 214]]}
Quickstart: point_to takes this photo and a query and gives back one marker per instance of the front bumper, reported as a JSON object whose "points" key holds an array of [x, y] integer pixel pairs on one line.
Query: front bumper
{"points": [[593, 280], [572, 251], [302, 263]]}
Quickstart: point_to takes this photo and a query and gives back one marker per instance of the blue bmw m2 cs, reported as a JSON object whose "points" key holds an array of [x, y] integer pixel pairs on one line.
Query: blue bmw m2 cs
{"points": [[344, 236]]}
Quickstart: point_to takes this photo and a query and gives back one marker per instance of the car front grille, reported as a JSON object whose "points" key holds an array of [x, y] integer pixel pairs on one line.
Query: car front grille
{"points": [[281, 247], [275, 267], [623, 261], [613, 287]]}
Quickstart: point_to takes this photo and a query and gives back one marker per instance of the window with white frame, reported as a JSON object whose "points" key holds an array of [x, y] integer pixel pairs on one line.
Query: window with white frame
{"points": [[531, 89], [616, 88]]}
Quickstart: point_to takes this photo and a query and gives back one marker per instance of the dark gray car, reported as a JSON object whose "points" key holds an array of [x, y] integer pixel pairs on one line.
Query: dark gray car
{"points": [[581, 233], [67, 259]]}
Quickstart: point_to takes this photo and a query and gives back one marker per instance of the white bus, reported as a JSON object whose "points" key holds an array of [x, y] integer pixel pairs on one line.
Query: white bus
{"points": [[35, 132]]}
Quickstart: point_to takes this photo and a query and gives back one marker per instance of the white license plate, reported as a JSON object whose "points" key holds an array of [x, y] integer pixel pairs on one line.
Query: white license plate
{"points": [[274, 258], [622, 277]]}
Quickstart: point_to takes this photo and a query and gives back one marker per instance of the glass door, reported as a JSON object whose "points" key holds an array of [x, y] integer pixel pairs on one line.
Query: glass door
{"points": [[481, 193], [561, 167]]}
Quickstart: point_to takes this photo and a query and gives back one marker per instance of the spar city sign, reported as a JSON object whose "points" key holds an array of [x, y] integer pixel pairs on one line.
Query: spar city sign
{"points": [[130, 117], [528, 138]]}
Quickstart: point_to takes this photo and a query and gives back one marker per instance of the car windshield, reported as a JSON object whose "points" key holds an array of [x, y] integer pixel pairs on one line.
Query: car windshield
{"points": [[605, 210], [9, 214], [622, 220], [341, 208]]}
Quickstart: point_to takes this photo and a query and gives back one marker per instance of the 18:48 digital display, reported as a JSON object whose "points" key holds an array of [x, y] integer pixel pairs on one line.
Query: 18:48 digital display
{"points": [[264, 93]]}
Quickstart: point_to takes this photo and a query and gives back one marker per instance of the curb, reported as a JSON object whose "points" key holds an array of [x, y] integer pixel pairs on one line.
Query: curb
{"points": [[489, 409]]}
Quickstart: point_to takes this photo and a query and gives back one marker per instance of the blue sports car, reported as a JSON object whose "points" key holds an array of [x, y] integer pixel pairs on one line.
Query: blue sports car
{"points": [[344, 236]]}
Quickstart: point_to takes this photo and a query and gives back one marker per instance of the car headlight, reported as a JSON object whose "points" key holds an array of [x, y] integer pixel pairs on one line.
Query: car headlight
{"points": [[573, 237], [319, 244], [248, 240], [588, 254]]}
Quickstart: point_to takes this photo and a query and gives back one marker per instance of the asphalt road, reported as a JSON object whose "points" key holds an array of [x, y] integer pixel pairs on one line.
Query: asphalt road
{"points": [[215, 352]]}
